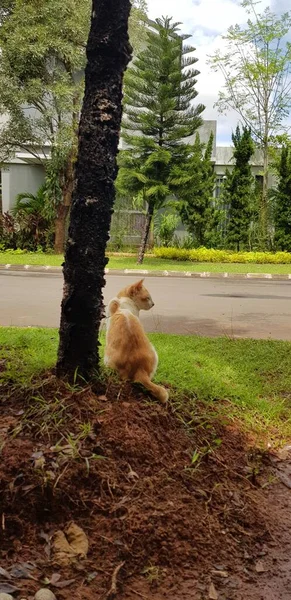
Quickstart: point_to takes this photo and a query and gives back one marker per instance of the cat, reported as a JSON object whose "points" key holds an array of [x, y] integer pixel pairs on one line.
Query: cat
{"points": [[128, 349]]}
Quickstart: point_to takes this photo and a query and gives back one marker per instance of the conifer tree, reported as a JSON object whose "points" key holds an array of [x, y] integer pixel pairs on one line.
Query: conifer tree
{"points": [[282, 211], [159, 115], [194, 181], [238, 190]]}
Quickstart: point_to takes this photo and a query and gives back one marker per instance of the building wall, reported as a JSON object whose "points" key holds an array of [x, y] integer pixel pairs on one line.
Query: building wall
{"points": [[18, 177]]}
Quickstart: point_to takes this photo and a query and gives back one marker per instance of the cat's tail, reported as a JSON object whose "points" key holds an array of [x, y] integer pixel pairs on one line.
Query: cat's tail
{"points": [[157, 390], [113, 306]]}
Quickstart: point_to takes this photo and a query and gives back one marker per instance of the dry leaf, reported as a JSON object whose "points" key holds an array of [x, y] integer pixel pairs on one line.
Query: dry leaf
{"points": [[220, 573], [55, 578], [212, 594], [5, 573], [63, 584], [7, 588], [70, 545]]}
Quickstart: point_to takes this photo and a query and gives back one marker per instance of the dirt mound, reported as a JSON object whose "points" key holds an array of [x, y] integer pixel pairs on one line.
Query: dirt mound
{"points": [[158, 492]]}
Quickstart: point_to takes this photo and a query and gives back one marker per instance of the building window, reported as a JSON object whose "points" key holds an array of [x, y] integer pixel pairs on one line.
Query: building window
{"points": [[259, 182], [220, 179]]}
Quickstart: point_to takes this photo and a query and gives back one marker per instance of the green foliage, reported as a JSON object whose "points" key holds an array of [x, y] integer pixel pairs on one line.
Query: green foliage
{"points": [[238, 190], [138, 24], [222, 256], [282, 196], [32, 224], [158, 114], [41, 80], [193, 180], [165, 227], [256, 69]]}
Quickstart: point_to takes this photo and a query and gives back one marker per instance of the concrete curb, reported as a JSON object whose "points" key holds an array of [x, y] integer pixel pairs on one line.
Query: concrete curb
{"points": [[179, 274]]}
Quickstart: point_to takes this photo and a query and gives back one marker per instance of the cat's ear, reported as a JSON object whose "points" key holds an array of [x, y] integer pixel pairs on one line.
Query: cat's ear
{"points": [[136, 287]]}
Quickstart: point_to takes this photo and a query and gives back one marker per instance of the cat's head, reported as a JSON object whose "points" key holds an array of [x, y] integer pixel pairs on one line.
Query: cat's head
{"points": [[139, 294]]}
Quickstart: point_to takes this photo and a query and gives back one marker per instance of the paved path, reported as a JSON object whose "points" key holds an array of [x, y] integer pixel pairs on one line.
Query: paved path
{"points": [[239, 308]]}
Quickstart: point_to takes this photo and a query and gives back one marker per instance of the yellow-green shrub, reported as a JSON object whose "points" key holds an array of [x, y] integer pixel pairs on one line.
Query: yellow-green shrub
{"points": [[222, 256]]}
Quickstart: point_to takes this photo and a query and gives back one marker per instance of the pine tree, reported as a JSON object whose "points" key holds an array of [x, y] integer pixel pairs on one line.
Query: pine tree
{"points": [[282, 211], [238, 190], [194, 180], [159, 115]]}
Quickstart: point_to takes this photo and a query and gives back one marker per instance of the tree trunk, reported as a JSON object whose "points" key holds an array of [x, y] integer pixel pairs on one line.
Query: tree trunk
{"points": [[108, 53], [60, 228], [145, 235], [67, 185], [264, 199]]}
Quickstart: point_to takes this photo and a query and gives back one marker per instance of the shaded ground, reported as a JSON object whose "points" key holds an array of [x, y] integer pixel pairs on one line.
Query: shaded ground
{"points": [[174, 505]]}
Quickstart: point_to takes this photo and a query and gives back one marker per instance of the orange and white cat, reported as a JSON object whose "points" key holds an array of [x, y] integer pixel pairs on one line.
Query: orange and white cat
{"points": [[128, 349]]}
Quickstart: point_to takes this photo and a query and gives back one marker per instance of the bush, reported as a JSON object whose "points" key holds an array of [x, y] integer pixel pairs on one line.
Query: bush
{"points": [[222, 256], [165, 227]]}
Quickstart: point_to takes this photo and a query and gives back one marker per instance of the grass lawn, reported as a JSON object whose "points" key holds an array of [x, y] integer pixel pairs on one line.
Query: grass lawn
{"points": [[150, 263], [245, 379]]}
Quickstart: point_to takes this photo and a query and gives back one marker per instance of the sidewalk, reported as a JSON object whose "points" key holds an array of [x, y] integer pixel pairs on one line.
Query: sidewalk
{"points": [[179, 274]]}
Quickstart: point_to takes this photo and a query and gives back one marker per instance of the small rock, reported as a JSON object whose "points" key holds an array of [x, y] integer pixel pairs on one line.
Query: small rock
{"points": [[4, 596], [260, 567], [44, 594]]}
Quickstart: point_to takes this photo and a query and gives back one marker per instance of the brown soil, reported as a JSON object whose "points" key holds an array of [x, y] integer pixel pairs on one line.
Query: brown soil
{"points": [[178, 508]]}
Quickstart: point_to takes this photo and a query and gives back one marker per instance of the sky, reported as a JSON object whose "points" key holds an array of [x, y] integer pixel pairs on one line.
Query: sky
{"points": [[207, 21]]}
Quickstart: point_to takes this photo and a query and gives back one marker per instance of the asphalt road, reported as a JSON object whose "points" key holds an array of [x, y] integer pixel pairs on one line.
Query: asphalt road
{"points": [[210, 307]]}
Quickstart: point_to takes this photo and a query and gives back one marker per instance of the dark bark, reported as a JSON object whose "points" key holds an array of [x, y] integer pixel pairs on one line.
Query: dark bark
{"points": [[108, 53], [145, 235]]}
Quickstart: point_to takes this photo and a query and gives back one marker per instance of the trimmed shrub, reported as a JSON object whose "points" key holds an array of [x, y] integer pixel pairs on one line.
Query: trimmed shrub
{"points": [[222, 256]]}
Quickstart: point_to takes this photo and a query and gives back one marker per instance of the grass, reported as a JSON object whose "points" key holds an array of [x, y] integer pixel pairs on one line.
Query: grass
{"points": [[245, 379], [150, 263]]}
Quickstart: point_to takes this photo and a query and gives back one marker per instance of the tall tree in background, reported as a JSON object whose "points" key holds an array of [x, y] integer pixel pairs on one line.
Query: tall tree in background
{"points": [[42, 84], [159, 115], [256, 70], [282, 212], [239, 189], [108, 53], [42, 56], [194, 181]]}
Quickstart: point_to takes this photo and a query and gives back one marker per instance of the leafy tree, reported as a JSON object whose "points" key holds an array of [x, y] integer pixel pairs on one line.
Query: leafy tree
{"points": [[108, 53], [32, 217], [41, 68], [159, 115], [194, 181], [42, 51], [138, 24], [239, 189], [282, 211], [256, 70]]}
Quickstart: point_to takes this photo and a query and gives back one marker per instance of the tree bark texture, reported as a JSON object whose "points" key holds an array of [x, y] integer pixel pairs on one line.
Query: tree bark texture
{"points": [[145, 234], [108, 53]]}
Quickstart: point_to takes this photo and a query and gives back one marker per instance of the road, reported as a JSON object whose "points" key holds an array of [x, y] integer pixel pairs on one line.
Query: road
{"points": [[210, 307]]}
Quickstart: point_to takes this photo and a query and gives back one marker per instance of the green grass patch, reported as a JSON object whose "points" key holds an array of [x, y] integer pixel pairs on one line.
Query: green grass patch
{"points": [[245, 379], [150, 263]]}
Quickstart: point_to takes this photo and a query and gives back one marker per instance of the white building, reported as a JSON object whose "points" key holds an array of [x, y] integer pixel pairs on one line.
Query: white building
{"points": [[25, 171]]}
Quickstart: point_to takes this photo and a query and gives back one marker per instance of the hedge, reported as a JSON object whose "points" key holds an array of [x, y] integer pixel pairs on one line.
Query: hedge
{"points": [[222, 256]]}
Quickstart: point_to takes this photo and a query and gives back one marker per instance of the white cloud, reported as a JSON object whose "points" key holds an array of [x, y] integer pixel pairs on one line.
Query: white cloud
{"points": [[213, 15]]}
